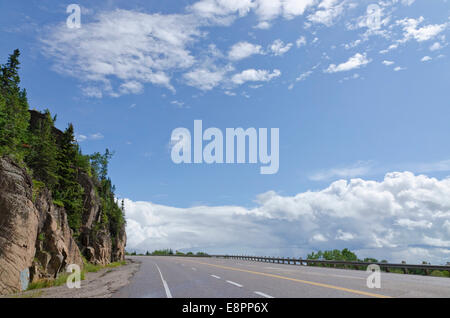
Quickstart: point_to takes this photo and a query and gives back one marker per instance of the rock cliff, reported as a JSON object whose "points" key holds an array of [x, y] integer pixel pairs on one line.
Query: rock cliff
{"points": [[36, 241]]}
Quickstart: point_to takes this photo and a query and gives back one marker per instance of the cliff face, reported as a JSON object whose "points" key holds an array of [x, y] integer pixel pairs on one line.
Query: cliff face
{"points": [[35, 239]]}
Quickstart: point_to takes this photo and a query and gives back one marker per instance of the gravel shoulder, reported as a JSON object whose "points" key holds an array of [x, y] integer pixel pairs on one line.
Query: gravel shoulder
{"points": [[102, 284]]}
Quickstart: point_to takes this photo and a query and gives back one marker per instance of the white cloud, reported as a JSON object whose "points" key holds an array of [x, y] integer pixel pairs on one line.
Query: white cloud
{"points": [[252, 75], [435, 46], [221, 11], [403, 217], [426, 58], [344, 236], [132, 87], [205, 78], [329, 11], [91, 91], [126, 46], [318, 238], [293, 8], [390, 48], [361, 168], [388, 63], [301, 41], [304, 76], [242, 50], [420, 34], [268, 10], [399, 68], [411, 224], [278, 48], [356, 61], [408, 2], [82, 138]]}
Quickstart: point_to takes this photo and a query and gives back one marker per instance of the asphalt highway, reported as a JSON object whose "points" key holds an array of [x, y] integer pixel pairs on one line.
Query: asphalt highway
{"points": [[182, 277]]}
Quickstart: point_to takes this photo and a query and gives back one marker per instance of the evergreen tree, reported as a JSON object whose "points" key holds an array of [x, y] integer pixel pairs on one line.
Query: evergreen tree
{"points": [[14, 115], [42, 156], [69, 192]]}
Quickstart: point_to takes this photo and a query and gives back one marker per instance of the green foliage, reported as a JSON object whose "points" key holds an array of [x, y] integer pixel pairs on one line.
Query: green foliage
{"points": [[42, 154], [14, 115], [53, 157], [68, 190], [440, 273], [37, 188], [201, 254], [166, 252], [334, 255]]}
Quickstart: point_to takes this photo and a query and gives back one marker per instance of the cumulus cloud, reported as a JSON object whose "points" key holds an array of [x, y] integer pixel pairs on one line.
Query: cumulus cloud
{"points": [[242, 50], [205, 78], [435, 46], [356, 61], [278, 47], [420, 34], [301, 41], [329, 11], [268, 10], [252, 75], [402, 217]]}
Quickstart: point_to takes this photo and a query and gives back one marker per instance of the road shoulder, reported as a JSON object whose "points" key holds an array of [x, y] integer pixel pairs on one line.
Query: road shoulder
{"points": [[102, 284]]}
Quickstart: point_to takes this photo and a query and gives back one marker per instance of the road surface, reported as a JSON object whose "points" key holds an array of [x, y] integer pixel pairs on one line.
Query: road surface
{"points": [[181, 277]]}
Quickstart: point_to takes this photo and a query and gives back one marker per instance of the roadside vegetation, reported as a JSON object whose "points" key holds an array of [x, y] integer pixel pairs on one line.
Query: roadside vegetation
{"points": [[169, 252], [62, 278], [347, 255]]}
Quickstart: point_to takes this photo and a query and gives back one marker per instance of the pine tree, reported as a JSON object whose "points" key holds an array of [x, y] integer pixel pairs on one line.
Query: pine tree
{"points": [[42, 156], [14, 115], [69, 192]]}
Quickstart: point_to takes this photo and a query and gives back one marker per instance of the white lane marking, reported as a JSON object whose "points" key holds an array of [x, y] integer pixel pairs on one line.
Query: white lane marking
{"points": [[218, 277], [263, 295], [166, 287], [233, 283], [194, 269]]}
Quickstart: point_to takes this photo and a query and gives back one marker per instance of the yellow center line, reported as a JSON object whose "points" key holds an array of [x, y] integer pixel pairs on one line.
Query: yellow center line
{"points": [[353, 291]]}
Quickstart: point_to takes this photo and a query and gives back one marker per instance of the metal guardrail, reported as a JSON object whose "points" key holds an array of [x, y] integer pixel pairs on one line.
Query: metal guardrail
{"points": [[310, 262]]}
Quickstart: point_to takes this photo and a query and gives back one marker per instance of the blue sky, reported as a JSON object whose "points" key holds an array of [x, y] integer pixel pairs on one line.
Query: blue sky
{"points": [[351, 99]]}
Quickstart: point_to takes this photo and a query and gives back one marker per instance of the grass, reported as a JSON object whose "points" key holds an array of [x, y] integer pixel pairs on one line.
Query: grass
{"points": [[36, 294], [58, 203], [62, 278], [440, 273], [46, 283]]}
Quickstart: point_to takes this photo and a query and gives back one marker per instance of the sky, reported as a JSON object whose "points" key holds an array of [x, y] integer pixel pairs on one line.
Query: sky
{"points": [[358, 91]]}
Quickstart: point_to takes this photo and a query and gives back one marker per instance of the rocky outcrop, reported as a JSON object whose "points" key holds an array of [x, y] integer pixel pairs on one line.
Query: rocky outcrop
{"points": [[36, 241], [19, 222], [98, 247], [55, 246]]}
